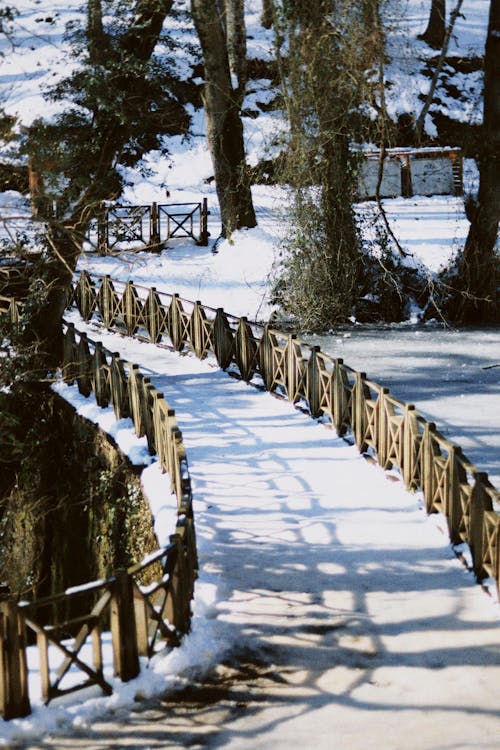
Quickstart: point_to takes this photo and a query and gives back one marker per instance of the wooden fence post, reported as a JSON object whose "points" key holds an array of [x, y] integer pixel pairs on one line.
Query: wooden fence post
{"points": [[155, 316], [141, 623], [129, 307], [107, 302], [245, 350], [99, 375], [480, 502], [84, 366], [191, 551], [178, 587], [118, 387], [85, 295], [223, 340], [427, 466], [69, 359], [291, 366], [358, 417], [123, 630], [175, 323], [456, 475], [159, 443], [154, 225], [313, 385], [204, 233], [409, 448], [42, 643], [266, 358], [14, 696], [197, 330], [147, 397], [382, 429]]}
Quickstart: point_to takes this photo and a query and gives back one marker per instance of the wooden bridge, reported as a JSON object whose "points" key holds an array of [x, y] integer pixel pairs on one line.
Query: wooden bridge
{"points": [[394, 431], [381, 425]]}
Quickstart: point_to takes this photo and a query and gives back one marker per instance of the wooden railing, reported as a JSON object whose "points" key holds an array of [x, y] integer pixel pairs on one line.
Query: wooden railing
{"points": [[392, 430], [150, 225], [142, 619], [10, 307], [409, 171]]}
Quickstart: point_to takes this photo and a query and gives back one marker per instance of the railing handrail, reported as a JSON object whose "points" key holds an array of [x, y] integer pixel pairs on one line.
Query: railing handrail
{"points": [[136, 624], [393, 430], [450, 482], [152, 224]]}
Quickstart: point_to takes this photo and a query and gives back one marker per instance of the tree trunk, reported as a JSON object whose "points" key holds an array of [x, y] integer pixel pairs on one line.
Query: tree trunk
{"points": [[436, 27], [479, 264], [322, 83], [267, 13], [224, 126], [419, 125], [95, 32], [140, 39], [236, 43]]}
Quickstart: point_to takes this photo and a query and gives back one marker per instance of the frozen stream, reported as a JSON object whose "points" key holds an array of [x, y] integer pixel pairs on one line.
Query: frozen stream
{"points": [[452, 377]]}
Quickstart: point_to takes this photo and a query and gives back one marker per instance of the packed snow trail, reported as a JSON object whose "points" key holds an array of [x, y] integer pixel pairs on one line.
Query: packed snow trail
{"points": [[363, 629]]}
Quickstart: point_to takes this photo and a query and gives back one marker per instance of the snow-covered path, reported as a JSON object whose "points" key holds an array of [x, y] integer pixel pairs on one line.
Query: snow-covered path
{"points": [[327, 576]]}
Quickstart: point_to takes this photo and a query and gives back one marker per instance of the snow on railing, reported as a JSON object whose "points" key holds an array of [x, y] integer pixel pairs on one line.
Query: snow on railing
{"points": [[391, 430], [150, 226], [386, 428], [141, 619]]}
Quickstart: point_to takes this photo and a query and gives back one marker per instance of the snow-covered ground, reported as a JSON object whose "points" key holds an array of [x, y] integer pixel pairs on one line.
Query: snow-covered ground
{"points": [[312, 562]]}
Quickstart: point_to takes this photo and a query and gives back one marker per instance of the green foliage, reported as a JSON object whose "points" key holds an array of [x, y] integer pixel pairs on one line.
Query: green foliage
{"points": [[31, 286], [122, 519], [324, 75], [318, 274], [115, 103], [71, 508], [7, 123]]}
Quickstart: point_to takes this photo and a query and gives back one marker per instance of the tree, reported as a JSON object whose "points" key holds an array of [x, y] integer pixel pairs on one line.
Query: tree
{"points": [[120, 100], [234, 17], [445, 42], [97, 41], [420, 122], [224, 126], [267, 13], [327, 51], [122, 103], [436, 27], [477, 271]]}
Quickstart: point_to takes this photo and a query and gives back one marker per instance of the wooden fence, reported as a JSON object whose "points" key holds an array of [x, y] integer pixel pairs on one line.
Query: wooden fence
{"points": [[412, 171], [150, 225], [142, 619], [10, 307], [393, 431]]}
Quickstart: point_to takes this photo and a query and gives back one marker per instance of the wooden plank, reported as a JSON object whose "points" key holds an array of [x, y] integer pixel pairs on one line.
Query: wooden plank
{"points": [[123, 632], [43, 656], [223, 340], [14, 695]]}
